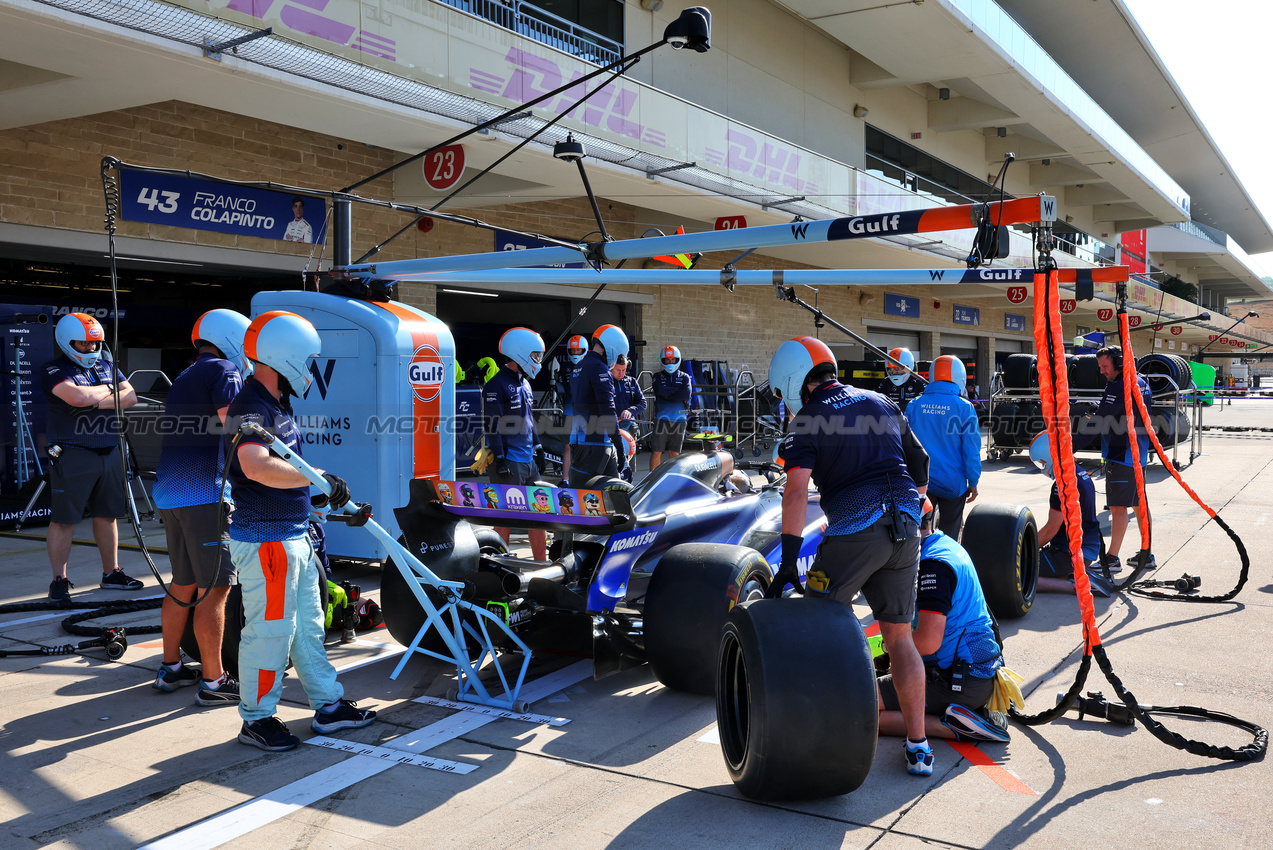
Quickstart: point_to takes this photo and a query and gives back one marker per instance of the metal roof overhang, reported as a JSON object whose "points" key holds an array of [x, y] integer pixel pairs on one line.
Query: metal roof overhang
{"points": [[1217, 267]]}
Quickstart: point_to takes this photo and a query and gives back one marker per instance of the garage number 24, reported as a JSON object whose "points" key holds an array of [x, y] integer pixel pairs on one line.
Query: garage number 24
{"points": [[151, 199]]}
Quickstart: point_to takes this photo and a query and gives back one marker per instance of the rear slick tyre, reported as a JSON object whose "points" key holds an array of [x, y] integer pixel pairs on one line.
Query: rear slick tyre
{"points": [[1003, 542], [796, 724], [691, 592]]}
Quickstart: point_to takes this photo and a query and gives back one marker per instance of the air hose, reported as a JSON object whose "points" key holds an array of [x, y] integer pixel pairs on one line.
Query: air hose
{"points": [[1054, 390]]}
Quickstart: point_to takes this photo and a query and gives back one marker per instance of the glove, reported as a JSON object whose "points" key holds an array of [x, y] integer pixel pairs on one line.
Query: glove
{"points": [[483, 459], [339, 496], [816, 583], [788, 573], [501, 467]]}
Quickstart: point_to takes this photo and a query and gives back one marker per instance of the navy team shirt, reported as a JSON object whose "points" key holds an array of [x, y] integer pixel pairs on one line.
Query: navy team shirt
{"points": [[263, 514], [851, 441], [90, 429], [510, 419], [189, 469]]}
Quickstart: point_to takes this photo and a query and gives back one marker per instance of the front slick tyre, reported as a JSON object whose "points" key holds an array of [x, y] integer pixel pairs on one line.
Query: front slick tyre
{"points": [[796, 699]]}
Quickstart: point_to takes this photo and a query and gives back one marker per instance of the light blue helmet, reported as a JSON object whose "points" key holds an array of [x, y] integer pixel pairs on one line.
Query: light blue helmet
{"points": [[950, 368], [671, 358], [225, 329], [577, 348], [525, 348], [80, 327], [1041, 454], [614, 341], [286, 343], [790, 367], [907, 359]]}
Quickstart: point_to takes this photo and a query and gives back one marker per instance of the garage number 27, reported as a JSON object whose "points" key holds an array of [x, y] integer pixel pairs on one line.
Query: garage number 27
{"points": [[151, 199]]}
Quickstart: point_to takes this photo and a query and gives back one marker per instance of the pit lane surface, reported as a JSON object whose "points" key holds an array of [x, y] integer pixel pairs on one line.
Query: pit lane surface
{"points": [[94, 757]]}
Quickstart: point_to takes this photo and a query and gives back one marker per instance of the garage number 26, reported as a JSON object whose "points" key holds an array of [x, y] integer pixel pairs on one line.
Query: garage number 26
{"points": [[151, 199]]}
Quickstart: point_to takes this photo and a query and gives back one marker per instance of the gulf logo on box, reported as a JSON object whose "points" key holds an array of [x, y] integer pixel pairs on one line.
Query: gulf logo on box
{"points": [[426, 372]]}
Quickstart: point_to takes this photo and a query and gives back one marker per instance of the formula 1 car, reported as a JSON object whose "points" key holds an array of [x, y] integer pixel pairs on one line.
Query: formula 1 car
{"points": [[648, 574]]}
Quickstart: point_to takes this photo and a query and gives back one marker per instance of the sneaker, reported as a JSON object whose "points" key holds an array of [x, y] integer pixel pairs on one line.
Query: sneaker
{"points": [[968, 725], [346, 715], [919, 762], [227, 693], [1100, 585], [60, 590], [269, 734], [119, 581], [1114, 563], [170, 680], [1135, 561]]}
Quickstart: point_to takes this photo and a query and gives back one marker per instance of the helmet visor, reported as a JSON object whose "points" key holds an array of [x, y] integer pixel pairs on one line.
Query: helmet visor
{"points": [[87, 346], [669, 361], [537, 356], [894, 369]]}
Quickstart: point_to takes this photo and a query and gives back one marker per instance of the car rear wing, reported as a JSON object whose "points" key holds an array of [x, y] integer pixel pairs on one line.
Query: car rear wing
{"points": [[564, 509]]}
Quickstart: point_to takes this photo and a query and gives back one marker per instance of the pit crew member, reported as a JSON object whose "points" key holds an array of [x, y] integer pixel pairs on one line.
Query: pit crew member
{"points": [[1120, 472], [955, 635], [576, 348], [871, 472], [946, 425], [1056, 569], [270, 545], [188, 494], [89, 474], [629, 401], [507, 403], [900, 384], [671, 390], [597, 449]]}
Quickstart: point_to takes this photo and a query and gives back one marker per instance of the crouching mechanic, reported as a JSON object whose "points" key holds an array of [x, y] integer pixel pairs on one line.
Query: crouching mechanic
{"points": [[870, 470], [188, 494], [597, 448], [955, 634], [270, 545], [510, 421], [1056, 567]]}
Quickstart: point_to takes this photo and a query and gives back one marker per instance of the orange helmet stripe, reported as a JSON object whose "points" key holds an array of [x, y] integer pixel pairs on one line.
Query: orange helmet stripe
{"points": [[818, 350], [254, 330]]}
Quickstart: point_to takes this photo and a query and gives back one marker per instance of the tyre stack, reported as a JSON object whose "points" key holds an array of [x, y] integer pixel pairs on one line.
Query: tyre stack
{"points": [[1165, 374]]}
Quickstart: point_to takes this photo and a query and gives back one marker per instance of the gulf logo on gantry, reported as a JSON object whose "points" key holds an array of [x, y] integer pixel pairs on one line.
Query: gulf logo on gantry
{"points": [[426, 372]]}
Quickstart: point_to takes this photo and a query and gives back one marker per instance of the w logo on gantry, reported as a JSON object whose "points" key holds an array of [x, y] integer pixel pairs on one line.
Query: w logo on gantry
{"points": [[321, 380]]}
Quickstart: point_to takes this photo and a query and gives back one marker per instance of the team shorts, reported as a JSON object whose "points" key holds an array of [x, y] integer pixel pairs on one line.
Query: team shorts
{"points": [[1120, 485], [194, 559], [976, 693], [869, 561], [81, 479], [519, 473], [668, 436], [1055, 563], [587, 461]]}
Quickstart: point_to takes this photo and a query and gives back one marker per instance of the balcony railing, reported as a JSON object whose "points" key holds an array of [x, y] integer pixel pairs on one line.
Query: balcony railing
{"points": [[533, 22]]}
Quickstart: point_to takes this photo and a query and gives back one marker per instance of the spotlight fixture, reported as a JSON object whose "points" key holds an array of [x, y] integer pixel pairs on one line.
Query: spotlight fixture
{"points": [[1001, 132], [569, 150], [860, 111], [943, 94]]}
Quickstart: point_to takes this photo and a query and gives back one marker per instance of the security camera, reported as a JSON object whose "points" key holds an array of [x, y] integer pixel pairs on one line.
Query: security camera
{"points": [[693, 29], [569, 150]]}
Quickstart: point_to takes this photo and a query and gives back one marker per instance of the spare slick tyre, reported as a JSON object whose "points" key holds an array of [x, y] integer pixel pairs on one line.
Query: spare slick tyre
{"points": [[1085, 373], [796, 703], [1003, 542], [1004, 425], [1020, 372], [692, 590], [230, 638]]}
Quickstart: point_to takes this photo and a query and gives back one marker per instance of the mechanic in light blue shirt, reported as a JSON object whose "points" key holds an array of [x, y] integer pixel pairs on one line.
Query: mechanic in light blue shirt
{"points": [[946, 426], [508, 405]]}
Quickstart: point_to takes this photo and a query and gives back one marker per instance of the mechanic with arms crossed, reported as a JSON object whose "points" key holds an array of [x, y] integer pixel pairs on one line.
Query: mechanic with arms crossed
{"points": [[671, 390], [597, 448], [187, 492], [508, 405], [89, 473], [871, 472], [270, 544], [955, 634]]}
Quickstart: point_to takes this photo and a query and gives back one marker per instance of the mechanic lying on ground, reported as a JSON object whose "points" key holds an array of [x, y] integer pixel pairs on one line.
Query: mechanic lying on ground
{"points": [[1056, 569], [955, 635]]}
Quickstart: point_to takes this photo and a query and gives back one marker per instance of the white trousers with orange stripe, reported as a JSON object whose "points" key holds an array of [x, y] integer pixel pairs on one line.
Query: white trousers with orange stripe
{"points": [[284, 616]]}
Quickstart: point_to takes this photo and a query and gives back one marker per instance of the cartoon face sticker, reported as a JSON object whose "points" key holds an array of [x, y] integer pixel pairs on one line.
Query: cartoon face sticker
{"points": [[567, 503], [591, 505], [468, 496], [492, 497], [541, 504], [446, 494]]}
